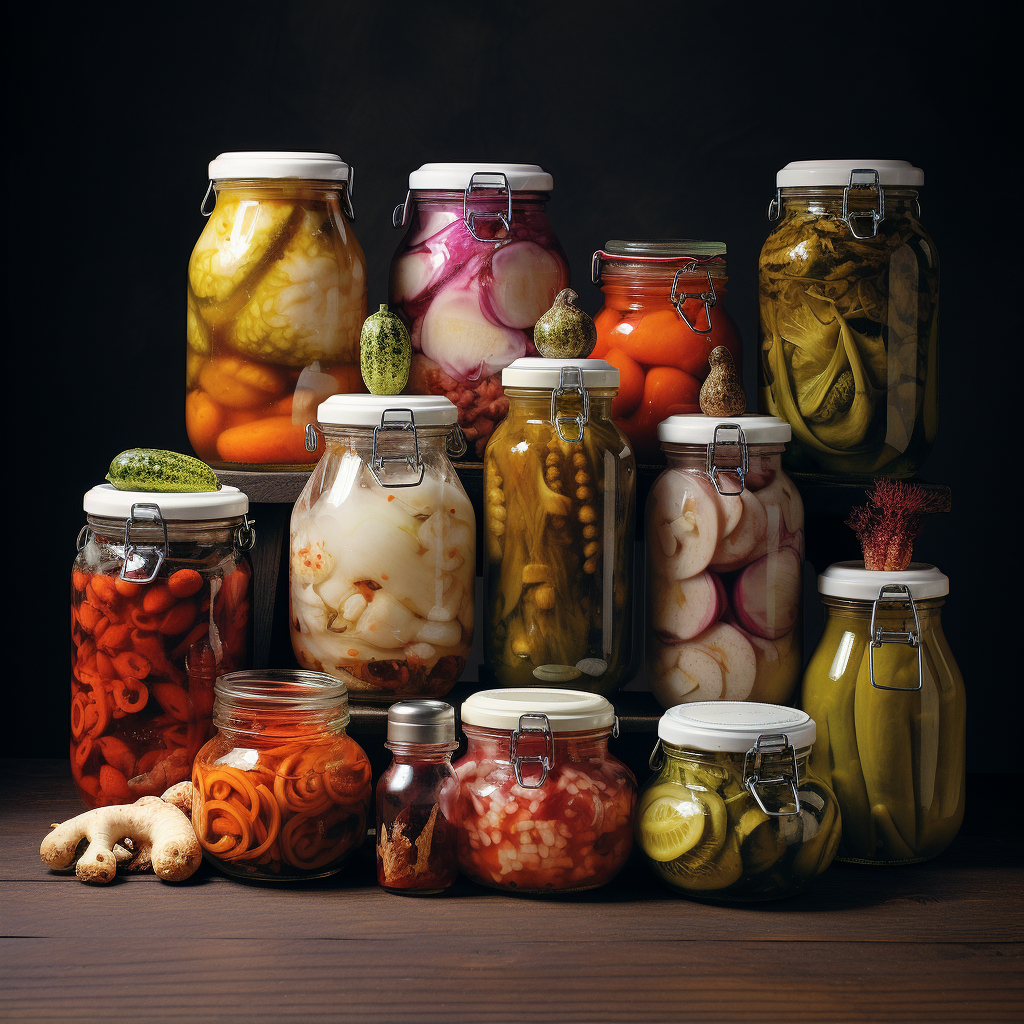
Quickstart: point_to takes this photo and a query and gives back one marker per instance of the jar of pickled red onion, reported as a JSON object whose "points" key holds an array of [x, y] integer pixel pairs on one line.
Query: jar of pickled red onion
{"points": [[545, 807]]}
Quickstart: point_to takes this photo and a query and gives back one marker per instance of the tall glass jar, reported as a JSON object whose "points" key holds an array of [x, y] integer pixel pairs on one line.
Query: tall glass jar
{"points": [[559, 506], [159, 607], [725, 549], [276, 301], [544, 805], [477, 267], [849, 290], [891, 712], [663, 313], [383, 550]]}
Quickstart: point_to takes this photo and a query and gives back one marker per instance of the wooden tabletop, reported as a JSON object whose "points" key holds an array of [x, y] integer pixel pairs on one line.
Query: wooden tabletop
{"points": [[934, 942]]}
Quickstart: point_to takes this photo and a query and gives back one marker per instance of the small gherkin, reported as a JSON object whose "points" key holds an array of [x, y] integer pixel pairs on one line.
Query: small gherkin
{"points": [[385, 353]]}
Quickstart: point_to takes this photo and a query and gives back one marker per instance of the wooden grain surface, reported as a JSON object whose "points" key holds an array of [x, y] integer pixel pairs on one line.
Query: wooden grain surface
{"points": [[935, 942]]}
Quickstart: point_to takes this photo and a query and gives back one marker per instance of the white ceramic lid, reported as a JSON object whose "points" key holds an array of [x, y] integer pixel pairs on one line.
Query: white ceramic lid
{"points": [[366, 410], [696, 428], [536, 372], [270, 164], [733, 726], [107, 500], [521, 177], [852, 581], [837, 172], [567, 710]]}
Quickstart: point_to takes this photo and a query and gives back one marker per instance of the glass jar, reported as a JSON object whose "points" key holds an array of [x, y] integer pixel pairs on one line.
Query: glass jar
{"points": [[849, 290], [559, 501], [159, 606], [891, 713], [725, 549], [276, 301], [477, 267], [663, 313], [418, 800], [544, 806], [734, 811], [280, 791], [383, 550]]}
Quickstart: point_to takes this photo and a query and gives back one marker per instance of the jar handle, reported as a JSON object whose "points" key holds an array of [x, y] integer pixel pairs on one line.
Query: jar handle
{"points": [[713, 469], [546, 760], [657, 758], [346, 194], [400, 219], [771, 745], [876, 216], [470, 218], [455, 443], [775, 206], [202, 206], [245, 535], [709, 298], [895, 592], [570, 381], [414, 462], [133, 551]]}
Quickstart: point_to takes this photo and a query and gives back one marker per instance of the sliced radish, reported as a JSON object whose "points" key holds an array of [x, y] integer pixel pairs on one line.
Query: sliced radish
{"points": [[696, 675], [683, 517], [739, 546], [428, 224], [735, 656], [730, 508], [411, 275], [756, 479], [524, 281], [680, 609], [766, 595], [782, 492]]}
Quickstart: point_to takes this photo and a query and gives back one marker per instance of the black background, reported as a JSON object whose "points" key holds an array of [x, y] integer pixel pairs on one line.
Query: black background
{"points": [[656, 120]]}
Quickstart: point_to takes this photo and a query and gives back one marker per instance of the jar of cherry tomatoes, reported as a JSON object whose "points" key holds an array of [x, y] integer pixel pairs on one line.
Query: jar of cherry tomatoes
{"points": [[663, 313], [159, 606], [544, 806]]}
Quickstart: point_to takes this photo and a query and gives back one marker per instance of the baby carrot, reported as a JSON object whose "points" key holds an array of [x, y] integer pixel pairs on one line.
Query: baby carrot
{"points": [[274, 439], [184, 583], [239, 384], [158, 599]]}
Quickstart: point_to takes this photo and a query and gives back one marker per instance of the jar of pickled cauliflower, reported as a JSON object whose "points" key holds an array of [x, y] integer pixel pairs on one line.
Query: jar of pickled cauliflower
{"points": [[725, 548], [544, 806], [383, 550], [559, 507], [276, 301], [477, 267], [890, 705], [734, 811]]}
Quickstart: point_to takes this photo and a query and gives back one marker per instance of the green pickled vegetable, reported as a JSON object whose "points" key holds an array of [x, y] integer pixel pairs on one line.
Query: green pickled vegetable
{"points": [[564, 331], [148, 469], [385, 353]]}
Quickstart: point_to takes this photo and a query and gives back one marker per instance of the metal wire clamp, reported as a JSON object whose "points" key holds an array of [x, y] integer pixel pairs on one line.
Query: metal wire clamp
{"points": [[570, 381], [545, 760], [771, 746], [709, 298], [471, 218], [879, 636], [713, 469], [143, 554]]}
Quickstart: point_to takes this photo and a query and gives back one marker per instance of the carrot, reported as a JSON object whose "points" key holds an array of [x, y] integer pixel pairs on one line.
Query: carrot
{"points": [[118, 754], [83, 751], [132, 665], [184, 583], [178, 619], [116, 638], [104, 588], [126, 588], [274, 439], [239, 384], [114, 785], [204, 420], [631, 383], [89, 616], [667, 391], [158, 599], [661, 338], [130, 695], [105, 665], [79, 580], [605, 322], [174, 700]]}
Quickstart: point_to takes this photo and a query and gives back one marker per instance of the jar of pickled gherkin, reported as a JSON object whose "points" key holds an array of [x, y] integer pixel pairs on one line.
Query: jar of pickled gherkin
{"points": [[559, 506], [735, 811], [890, 706], [276, 301], [849, 287]]}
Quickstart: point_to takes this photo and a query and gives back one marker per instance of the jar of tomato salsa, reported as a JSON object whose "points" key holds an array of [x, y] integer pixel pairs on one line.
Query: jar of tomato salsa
{"points": [[664, 311], [544, 806]]}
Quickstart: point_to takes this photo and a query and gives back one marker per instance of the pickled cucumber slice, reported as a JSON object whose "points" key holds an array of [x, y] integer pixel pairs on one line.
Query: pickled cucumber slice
{"points": [[670, 827], [706, 875], [760, 843], [196, 331], [821, 841]]}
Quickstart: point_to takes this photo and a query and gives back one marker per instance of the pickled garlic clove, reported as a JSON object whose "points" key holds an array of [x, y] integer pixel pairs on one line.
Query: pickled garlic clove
{"points": [[441, 634], [386, 622]]}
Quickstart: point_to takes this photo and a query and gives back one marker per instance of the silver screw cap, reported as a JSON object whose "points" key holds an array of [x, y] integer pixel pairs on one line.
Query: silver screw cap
{"points": [[421, 721]]}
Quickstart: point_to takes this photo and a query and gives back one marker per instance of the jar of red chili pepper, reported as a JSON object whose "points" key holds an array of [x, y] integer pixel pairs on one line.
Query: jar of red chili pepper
{"points": [[544, 806], [159, 606], [418, 800]]}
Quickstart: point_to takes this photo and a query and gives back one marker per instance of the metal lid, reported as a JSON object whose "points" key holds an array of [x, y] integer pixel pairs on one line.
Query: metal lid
{"points": [[366, 410], [276, 164], [696, 428], [852, 581], [442, 176], [194, 506], [421, 721], [566, 710], [834, 173], [664, 248], [536, 372], [733, 726]]}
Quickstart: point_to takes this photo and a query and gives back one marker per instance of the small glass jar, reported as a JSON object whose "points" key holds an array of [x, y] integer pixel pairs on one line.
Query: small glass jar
{"points": [[281, 792], [559, 507], [849, 289], [276, 301], [544, 806], [418, 800], [734, 811], [891, 713], [478, 266], [159, 606], [663, 313], [725, 549], [383, 550]]}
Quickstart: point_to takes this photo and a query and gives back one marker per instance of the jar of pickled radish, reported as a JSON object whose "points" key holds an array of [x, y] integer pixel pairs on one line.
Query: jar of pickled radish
{"points": [[735, 811], [383, 550], [559, 506], [544, 806], [159, 606], [276, 301], [477, 267], [281, 792], [725, 548], [663, 313], [849, 290], [890, 706]]}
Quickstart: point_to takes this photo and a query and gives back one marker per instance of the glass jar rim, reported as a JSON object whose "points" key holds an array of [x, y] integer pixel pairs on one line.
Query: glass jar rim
{"points": [[255, 690], [181, 526]]}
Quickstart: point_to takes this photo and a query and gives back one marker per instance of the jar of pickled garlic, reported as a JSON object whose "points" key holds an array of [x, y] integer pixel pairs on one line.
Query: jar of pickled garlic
{"points": [[735, 811], [544, 805], [559, 506], [159, 606], [663, 313], [890, 706], [276, 301], [477, 267], [849, 289], [383, 550], [281, 792], [725, 549]]}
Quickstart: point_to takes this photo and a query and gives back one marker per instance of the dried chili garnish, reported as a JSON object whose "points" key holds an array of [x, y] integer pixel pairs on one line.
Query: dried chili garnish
{"points": [[891, 520]]}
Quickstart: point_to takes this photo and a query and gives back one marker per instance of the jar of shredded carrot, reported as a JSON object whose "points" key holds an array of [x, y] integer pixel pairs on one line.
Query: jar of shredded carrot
{"points": [[281, 792]]}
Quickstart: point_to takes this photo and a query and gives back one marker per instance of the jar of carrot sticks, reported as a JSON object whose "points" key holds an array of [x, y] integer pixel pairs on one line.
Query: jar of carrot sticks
{"points": [[281, 792], [159, 606]]}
